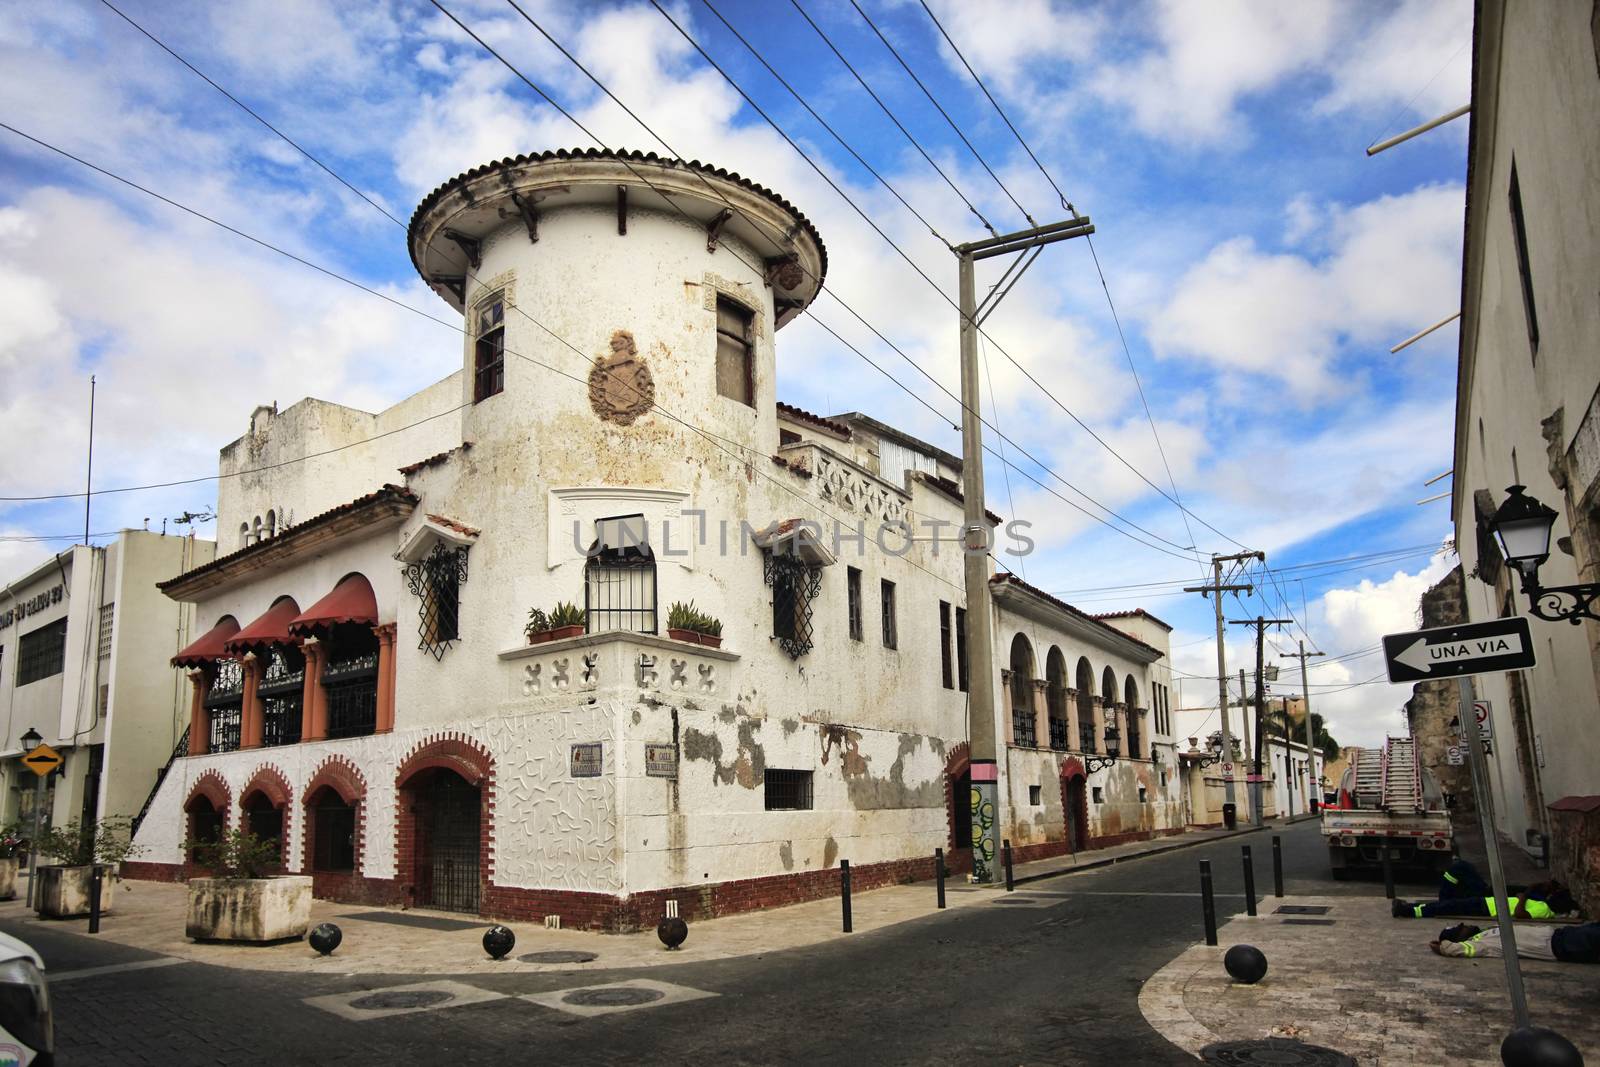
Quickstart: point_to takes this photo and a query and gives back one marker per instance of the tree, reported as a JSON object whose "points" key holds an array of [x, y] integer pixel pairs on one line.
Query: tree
{"points": [[1281, 723]]}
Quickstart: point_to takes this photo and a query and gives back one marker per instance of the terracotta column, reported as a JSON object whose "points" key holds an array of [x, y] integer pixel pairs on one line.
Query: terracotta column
{"points": [[1097, 739], [250, 706], [313, 721], [386, 674], [1006, 717], [199, 718], [1041, 713], [1071, 697]]}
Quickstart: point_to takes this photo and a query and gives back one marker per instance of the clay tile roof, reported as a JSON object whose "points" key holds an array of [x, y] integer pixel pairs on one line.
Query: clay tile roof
{"points": [[801, 415], [1135, 612], [438, 457], [452, 524], [1012, 579], [621, 156], [951, 490]]}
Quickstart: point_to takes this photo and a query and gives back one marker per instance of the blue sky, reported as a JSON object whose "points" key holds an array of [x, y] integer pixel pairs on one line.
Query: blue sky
{"points": [[1261, 264]]}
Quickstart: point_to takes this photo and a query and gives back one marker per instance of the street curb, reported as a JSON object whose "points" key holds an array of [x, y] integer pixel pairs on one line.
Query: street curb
{"points": [[1109, 860]]}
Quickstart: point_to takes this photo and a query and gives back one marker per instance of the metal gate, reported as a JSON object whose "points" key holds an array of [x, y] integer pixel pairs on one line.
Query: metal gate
{"points": [[450, 808]]}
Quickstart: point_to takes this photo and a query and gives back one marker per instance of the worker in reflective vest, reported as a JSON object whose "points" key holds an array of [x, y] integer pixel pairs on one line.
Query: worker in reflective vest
{"points": [[1527, 905]]}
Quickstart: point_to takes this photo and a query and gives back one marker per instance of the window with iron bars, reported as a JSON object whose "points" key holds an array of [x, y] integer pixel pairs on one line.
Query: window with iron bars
{"points": [[282, 693], [436, 581], [489, 350], [224, 702], [1133, 734], [946, 668], [891, 625], [1086, 727], [352, 694], [853, 596], [107, 616], [795, 584], [619, 579], [42, 653], [1023, 728], [788, 790], [961, 649]]}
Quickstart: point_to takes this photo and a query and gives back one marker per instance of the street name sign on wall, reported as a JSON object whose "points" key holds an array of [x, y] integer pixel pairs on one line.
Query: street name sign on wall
{"points": [[1452, 651]]}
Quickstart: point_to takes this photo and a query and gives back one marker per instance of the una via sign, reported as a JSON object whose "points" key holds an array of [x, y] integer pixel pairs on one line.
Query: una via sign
{"points": [[1452, 651]]}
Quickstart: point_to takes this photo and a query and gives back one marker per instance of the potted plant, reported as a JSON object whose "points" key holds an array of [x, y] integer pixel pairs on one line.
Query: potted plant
{"points": [[563, 620], [685, 622], [246, 897], [12, 847], [64, 886]]}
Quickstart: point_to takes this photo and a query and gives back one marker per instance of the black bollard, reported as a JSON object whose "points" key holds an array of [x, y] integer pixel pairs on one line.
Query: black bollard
{"points": [[844, 892], [1277, 866], [1249, 882], [96, 878], [1006, 853], [1388, 870], [938, 873], [1208, 905]]}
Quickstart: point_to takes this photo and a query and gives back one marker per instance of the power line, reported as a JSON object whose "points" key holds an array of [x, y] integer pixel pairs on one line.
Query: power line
{"points": [[892, 118], [940, 108], [1364, 560]]}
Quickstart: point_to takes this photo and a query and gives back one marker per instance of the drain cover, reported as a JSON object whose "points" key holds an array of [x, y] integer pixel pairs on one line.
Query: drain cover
{"points": [[1303, 909], [1309, 922], [612, 996], [558, 957], [1274, 1052], [408, 998]]}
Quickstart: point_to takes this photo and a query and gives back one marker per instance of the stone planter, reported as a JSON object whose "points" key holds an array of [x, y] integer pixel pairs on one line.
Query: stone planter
{"points": [[8, 878], [249, 909], [694, 637], [63, 892], [556, 634]]}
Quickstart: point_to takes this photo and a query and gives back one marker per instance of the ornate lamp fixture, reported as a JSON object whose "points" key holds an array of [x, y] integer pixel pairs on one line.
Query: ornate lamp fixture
{"points": [[1100, 763], [1522, 526], [1215, 748]]}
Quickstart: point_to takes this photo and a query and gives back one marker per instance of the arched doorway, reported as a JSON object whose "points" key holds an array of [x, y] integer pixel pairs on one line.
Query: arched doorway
{"points": [[205, 824], [1086, 725], [1023, 729], [1075, 805], [1130, 697], [958, 783], [446, 838], [264, 819], [1108, 705]]}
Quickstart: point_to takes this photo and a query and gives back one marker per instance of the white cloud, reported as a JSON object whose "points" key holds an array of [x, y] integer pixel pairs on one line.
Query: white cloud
{"points": [[1388, 66]]}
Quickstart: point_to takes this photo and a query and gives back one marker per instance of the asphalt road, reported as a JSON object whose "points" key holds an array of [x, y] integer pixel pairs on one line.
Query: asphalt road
{"points": [[1050, 974]]}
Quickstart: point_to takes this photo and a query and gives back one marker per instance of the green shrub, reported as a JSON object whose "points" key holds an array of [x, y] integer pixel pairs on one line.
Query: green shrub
{"points": [[538, 622], [566, 614], [683, 616], [109, 842], [236, 855]]}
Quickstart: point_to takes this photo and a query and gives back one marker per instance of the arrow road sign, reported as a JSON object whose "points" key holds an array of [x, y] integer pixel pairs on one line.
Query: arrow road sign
{"points": [[43, 760], [1451, 651]]}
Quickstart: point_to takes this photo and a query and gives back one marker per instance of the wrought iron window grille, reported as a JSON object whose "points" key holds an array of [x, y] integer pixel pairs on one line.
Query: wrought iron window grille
{"points": [[795, 584], [787, 790], [1022, 727], [619, 589], [355, 667], [1058, 734], [225, 728], [1086, 729], [283, 673], [353, 705], [228, 682], [436, 581]]}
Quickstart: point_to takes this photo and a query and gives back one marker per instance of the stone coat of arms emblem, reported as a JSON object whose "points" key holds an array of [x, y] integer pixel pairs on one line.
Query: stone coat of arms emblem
{"points": [[621, 387]]}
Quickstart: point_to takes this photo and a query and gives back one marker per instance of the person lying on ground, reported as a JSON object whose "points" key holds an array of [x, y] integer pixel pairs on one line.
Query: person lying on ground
{"points": [[1568, 944], [1544, 901]]}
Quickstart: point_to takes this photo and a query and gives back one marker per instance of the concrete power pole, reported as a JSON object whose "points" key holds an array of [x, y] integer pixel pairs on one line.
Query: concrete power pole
{"points": [[1215, 591], [985, 770], [1311, 752], [1261, 625]]}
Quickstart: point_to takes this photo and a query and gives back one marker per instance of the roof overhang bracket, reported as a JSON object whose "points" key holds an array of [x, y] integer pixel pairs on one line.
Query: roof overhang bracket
{"points": [[471, 247], [622, 211], [530, 217], [714, 228], [455, 283], [785, 270]]}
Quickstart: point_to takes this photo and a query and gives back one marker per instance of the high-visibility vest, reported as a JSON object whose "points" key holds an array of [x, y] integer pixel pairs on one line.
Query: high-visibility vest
{"points": [[1531, 909]]}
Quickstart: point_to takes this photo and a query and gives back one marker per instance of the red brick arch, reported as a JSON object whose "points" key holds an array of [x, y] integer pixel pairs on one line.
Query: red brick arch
{"points": [[269, 781], [342, 776], [453, 752], [1072, 770], [460, 755], [957, 763], [214, 788]]}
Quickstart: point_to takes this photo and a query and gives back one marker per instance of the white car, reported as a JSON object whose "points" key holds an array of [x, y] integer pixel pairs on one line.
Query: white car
{"points": [[27, 1033]]}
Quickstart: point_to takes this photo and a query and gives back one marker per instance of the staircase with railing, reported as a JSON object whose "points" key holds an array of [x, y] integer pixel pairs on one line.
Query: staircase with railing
{"points": [[181, 748]]}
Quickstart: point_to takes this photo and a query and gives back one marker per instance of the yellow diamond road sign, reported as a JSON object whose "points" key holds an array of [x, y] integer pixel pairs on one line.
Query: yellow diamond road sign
{"points": [[43, 760]]}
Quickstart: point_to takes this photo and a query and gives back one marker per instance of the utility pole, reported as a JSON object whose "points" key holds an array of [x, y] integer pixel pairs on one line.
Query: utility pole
{"points": [[1215, 591], [1261, 625], [1244, 732], [1288, 756], [1305, 697], [981, 730]]}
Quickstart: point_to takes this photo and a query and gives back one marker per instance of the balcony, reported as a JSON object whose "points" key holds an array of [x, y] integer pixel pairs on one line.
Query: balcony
{"points": [[620, 663]]}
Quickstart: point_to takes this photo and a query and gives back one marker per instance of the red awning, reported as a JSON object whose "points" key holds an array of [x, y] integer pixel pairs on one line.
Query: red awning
{"points": [[352, 600], [271, 628], [210, 646]]}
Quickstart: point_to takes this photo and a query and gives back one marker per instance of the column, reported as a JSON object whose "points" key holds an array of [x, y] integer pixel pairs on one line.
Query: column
{"points": [[1071, 697], [1041, 713], [1097, 715], [386, 675], [1115, 716], [313, 720], [1005, 703], [250, 706], [199, 718]]}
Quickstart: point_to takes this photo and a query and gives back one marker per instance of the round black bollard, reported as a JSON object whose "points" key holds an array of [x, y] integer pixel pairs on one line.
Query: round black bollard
{"points": [[325, 937], [498, 940], [1535, 1046], [672, 931], [1245, 963]]}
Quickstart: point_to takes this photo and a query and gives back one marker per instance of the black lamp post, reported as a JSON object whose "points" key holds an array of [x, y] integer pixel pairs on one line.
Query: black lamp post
{"points": [[1098, 763], [1522, 526], [31, 740]]}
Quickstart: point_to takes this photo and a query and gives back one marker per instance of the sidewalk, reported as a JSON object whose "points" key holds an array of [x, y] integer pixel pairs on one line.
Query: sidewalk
{"points": [[1359, 981], [150, 916]]}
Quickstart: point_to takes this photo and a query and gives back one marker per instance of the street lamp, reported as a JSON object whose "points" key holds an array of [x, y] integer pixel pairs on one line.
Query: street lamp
{"points": [[1098, 763], [1522, 526], [31, 740]]}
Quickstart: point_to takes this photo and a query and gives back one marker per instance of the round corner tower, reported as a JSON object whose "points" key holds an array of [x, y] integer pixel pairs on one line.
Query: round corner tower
{"points": [[608, 295]]}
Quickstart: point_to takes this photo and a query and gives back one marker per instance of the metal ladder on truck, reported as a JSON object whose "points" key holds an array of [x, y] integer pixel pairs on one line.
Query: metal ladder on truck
{"points": [[1402, 776], [1369, 764]]}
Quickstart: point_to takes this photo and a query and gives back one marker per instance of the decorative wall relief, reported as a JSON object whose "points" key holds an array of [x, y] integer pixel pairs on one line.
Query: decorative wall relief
{"points": [[531, 682], [857, 490], [708, 677], [621, 387], [591, 670], [645, 671], [559, 679]]}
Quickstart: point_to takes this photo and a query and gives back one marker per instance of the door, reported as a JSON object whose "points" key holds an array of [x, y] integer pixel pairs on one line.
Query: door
{"points": [[961, 811], [1077, 813], [447, 847]]}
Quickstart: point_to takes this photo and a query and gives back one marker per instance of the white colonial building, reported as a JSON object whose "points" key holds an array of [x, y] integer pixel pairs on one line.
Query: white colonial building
{"points": [[367, 693]]}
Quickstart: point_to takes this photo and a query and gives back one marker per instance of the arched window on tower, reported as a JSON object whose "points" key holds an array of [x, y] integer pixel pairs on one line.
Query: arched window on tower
{"points": [[619, 579]]}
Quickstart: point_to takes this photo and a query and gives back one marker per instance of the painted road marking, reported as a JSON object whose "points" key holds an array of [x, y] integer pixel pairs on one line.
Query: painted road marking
{"points": [[115, 968]]}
